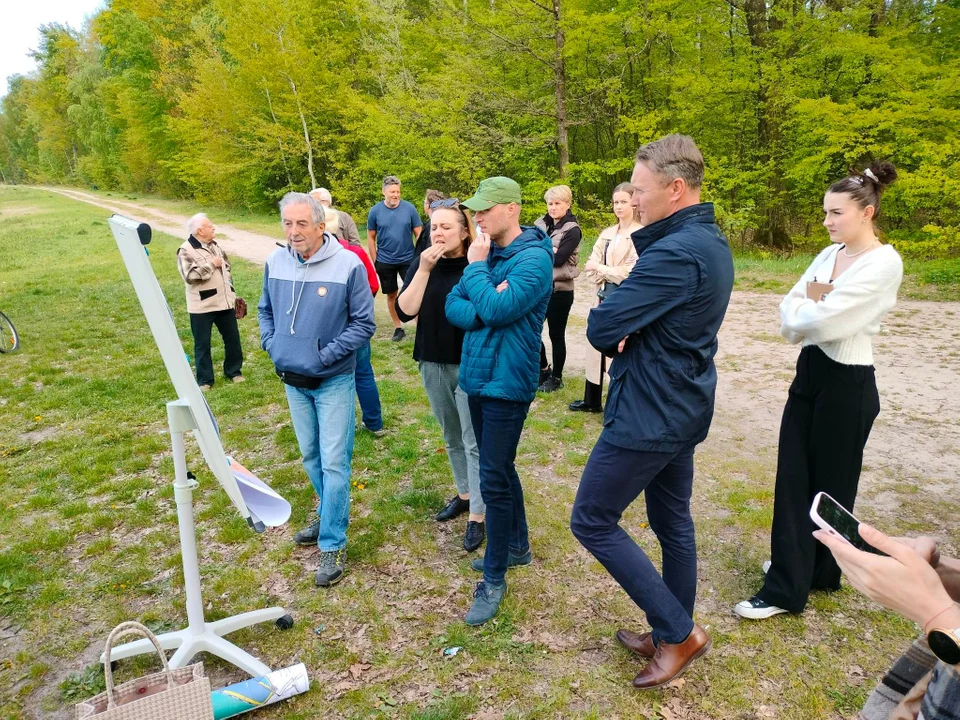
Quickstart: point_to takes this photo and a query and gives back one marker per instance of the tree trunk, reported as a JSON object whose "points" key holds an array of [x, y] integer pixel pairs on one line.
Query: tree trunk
{"points": [[560, 91], [283, 154], [306, 133]]}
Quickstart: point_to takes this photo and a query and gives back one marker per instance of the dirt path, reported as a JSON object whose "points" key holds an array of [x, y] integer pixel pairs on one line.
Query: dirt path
{"points": [[914, 441], [238, 243]]}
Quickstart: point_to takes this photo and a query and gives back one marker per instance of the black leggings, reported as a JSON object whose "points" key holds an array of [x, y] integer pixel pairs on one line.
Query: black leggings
{"points": [[558, 311]]}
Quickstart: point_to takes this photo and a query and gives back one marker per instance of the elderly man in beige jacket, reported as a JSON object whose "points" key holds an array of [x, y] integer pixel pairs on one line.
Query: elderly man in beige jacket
{"points": [[211, 300]]}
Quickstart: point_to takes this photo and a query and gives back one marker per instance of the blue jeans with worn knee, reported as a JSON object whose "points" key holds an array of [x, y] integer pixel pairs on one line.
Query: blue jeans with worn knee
{"points": [[367, 392], [497, 425], [613, 478], [323, 420]]}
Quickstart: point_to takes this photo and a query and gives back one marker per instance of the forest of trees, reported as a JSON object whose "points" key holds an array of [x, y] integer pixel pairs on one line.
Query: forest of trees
{"points": [[237, 101]]}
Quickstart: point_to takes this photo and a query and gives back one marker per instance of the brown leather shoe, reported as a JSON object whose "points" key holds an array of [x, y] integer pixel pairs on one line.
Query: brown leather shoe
{"points": [[639, 644], [671, 660]]}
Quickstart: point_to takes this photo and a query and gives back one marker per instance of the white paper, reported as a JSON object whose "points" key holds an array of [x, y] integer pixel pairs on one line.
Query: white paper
{"points": [[262, 501]]}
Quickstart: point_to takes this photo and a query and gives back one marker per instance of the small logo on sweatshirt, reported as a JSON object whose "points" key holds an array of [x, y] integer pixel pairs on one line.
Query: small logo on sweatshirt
{"points": [[322, 290]]}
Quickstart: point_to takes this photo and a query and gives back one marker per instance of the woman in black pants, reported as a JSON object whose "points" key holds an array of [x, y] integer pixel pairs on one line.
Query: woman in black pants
{"points": [[834, 310], [564, 231]]}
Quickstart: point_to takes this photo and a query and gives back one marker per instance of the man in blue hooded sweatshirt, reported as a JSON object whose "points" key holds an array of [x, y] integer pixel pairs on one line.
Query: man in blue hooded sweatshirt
{"points": [[501, 302], [315, 312]]}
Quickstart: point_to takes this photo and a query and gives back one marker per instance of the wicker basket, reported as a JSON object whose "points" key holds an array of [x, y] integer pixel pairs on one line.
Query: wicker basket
{"points": [[181, 694]]}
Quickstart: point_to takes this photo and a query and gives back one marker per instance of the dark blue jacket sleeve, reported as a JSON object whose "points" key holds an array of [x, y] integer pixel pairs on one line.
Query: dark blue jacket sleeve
{"points": [[360, 323], [529, 280], [265, 310], [661, 280]]}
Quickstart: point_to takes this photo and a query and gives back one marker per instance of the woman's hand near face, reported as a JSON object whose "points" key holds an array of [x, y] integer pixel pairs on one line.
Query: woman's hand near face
{"points": [[429, 257]]}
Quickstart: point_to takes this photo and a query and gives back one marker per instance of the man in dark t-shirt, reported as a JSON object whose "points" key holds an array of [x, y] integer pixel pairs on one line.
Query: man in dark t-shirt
{"points": [[393, 227]]}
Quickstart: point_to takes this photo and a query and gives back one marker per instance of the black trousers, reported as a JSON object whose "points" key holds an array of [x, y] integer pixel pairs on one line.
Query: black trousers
{"points": [[558, 312], [226, 322], [827, 419]]}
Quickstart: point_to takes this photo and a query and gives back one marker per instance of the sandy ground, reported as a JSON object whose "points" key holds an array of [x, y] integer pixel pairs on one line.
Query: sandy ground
{"points": [[914, 441]]}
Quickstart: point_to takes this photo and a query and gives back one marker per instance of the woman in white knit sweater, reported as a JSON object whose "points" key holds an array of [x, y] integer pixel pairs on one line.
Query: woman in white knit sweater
{"points": [[833, 311]]}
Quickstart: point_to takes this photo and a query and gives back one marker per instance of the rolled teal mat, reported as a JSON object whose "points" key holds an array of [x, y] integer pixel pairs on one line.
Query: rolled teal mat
{"points": [[259, 692]]}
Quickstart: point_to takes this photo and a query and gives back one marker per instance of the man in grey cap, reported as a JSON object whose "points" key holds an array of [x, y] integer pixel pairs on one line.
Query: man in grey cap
{"points": [[501, 302]]}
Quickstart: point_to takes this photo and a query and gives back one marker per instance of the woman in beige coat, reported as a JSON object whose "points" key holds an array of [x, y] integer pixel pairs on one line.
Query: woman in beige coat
{"points": [[610, 262]]}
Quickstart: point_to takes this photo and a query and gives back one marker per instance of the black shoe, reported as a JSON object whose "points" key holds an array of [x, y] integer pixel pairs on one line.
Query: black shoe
{"points": [[309, 535], [545, 374], [473, 538], [456, 507], [551, 384], [398, 335], [581, 406]]}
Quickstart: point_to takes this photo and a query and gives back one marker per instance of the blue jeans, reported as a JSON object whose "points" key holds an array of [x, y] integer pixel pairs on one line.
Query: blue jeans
{"points": [[497, 425], [367, 392], [613, 478], [323, 420]]}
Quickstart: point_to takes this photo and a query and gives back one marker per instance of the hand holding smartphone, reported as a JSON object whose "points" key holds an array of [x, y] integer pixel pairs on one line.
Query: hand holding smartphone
{"points": [[831, 516]]}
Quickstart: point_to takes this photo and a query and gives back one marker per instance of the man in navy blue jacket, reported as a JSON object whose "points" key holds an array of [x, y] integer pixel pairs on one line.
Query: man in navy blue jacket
{"points": [[661, 327], [316, 312]]}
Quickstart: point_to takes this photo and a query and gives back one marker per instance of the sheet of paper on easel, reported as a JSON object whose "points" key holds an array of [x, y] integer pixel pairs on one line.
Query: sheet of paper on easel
{"points": [[261, 499]]}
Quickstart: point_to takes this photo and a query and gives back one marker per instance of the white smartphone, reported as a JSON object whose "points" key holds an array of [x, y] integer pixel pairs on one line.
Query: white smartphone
{"points": [[831, 516]]}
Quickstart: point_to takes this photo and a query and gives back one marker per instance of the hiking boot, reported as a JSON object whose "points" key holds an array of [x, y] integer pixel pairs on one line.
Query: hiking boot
{"points": [[398, 335], [456, 507], [309, 535], [486, 602], [757, 609], [332, 566], [581, 406], [473, 538], [551, 384], [512, 560]]}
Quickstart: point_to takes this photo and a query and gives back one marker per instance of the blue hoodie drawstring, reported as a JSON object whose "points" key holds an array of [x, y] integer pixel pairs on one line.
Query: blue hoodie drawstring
{"points": [[294, 306]]}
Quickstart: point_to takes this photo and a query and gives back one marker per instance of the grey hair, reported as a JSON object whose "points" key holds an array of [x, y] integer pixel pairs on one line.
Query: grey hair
{"points": [[674, 156], [195, 222], [323, 193], [296, 198], [391, 180]]}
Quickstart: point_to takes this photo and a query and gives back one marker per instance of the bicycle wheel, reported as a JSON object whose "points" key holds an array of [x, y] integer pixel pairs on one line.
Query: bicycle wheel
{"points": [[9, 340]]}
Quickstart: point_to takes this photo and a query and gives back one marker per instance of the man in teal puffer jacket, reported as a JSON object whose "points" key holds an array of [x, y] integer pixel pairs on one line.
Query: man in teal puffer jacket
{"points": [[501, 302]]}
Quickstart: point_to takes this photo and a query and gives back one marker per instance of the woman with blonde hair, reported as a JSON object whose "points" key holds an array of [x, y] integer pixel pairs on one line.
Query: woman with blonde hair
{"points": [[565, 234], [438, 347], [610, 262]]}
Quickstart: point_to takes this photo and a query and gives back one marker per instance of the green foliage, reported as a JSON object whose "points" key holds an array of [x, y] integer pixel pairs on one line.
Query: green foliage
{"points": [[83, 685], [236, 103]]}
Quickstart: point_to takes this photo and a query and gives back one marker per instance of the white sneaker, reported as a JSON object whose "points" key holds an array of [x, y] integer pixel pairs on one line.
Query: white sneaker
{"points": [[756, 609], [766, 566]]}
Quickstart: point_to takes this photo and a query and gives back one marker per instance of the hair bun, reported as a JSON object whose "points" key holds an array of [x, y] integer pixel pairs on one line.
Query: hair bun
{"points": [[884, 172]]}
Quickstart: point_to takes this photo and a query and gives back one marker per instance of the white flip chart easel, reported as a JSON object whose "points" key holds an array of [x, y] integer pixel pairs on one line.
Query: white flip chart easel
{"points": [[191, 412]]}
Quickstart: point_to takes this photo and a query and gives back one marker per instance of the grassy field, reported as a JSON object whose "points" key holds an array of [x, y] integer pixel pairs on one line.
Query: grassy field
{"points": [[88, 536]]}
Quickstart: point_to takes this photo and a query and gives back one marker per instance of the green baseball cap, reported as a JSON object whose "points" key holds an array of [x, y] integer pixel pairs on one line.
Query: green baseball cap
{"points": [[494, 191]]}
